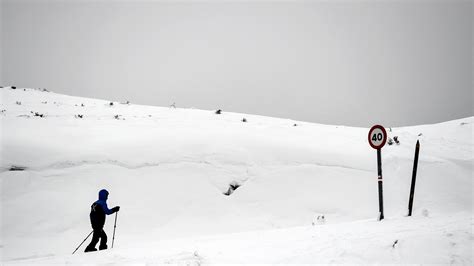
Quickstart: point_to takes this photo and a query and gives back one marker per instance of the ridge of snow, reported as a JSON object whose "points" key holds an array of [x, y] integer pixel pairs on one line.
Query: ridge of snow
{"points": [[168, 169]]}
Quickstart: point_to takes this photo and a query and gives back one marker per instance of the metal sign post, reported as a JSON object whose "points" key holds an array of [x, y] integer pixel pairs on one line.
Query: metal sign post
{"points": [[379, 179], [413, 178], [377, 139]]}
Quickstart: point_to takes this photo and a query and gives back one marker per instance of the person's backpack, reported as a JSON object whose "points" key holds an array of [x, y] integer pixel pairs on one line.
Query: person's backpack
{"points": [[97, 215]]}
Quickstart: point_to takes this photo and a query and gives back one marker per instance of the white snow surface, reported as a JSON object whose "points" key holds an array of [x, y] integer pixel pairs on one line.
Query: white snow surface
{"points": [[168, 169]]}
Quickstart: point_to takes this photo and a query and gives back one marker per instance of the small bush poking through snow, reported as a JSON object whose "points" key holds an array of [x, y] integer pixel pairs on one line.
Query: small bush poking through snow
{"points": [[232, 187], [111, 104], [218, 112], [119, 117], [39, 115], [390, 141], [17, 168], [13, 87], [396, 140], [319, 220], [295, 125], [18, 103], [79, 116], [395, 243], [244, 120]]}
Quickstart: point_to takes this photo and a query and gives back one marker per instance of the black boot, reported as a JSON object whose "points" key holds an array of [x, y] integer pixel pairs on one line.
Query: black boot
{"points": [[89, 249], [101, 247]]}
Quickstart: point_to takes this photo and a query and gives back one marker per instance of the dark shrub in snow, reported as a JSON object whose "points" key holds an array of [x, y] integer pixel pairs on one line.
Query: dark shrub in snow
{"points": [[13, 87], [218, 112], [79, 116], [244, 120], [119, 117], [38, 114], [396, 140], [111, 104], [319, 220], [19, 103], [395, 243], [390, 141], [16, 168], [232, 187]]}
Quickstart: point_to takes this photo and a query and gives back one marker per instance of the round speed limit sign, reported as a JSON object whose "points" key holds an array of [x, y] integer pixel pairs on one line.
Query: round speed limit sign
{"points": [[377, 137]]}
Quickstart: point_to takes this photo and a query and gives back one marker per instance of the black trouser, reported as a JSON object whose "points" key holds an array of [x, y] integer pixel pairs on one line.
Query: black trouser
{"points": [[98, 233]]}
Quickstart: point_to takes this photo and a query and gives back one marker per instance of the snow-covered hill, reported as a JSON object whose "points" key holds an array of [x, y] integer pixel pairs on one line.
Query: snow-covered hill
{"points": [[168, 169]]}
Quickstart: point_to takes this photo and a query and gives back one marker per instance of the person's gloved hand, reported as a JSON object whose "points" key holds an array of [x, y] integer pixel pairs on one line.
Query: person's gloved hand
{"points": [[116, 208]]}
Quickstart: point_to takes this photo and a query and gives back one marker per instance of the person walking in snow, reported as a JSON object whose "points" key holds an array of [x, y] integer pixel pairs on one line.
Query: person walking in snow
{"points": [[97, 216]]}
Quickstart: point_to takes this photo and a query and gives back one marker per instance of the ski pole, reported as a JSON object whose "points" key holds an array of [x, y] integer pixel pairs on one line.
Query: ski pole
{"points": [[83, 242], [115, 225]]}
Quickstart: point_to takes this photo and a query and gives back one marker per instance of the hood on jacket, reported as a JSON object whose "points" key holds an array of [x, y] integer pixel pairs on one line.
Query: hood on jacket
{"points": [[103, 194]]}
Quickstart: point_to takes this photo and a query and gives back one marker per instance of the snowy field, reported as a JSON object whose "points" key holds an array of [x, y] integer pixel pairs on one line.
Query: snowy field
{"points": [[168, 169]]}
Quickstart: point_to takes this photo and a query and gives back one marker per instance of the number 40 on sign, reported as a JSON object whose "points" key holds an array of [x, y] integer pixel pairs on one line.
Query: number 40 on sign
{"points": [[377, 137]]}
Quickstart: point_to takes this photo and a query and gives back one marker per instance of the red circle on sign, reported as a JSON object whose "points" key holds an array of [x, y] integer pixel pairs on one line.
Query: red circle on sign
{"points": [[381, 142]]}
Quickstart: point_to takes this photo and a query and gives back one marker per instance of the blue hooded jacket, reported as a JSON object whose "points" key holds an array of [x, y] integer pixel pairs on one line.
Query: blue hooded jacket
{"points": [[99, 209], [102, 201]]}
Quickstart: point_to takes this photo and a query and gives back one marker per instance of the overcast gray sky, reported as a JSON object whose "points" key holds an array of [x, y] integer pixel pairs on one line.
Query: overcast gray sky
{"points": [[342, 62]]}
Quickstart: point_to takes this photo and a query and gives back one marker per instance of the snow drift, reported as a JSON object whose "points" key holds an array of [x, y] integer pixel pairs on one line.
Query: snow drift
{"points": [[170, 168]]}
